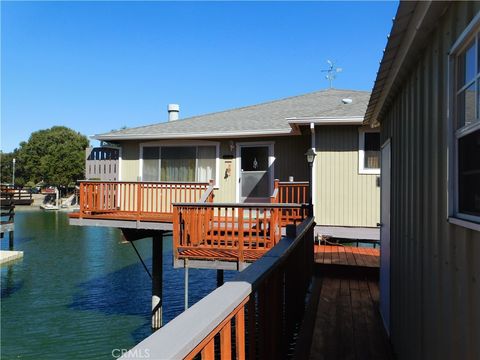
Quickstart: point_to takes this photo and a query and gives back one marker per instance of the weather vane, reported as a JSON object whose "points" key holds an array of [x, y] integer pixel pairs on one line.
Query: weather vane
{"points": [[331, 72]]}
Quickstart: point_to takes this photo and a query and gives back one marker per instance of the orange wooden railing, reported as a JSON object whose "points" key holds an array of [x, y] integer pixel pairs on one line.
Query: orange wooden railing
{"points": [[136, 198], [290, 193], [263, 307], [235, 320], [267, 321], [238, 228]]}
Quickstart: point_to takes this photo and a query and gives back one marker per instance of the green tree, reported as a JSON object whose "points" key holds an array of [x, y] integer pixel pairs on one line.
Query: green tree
{"points": [[6, 168], [55, 155]]}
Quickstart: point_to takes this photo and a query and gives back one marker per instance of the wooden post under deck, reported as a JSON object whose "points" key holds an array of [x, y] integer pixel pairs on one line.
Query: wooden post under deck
{"points": [[219, 277], [157, 263], [186, 283], [10, 240]]}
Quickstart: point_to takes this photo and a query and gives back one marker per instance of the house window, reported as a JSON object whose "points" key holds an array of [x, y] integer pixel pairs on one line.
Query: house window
{"points": [[465, 121], [179, 163], [369, 151]]}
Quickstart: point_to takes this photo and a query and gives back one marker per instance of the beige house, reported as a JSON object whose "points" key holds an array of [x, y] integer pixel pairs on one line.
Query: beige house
{"points": [[243, 150], [426, 99]]}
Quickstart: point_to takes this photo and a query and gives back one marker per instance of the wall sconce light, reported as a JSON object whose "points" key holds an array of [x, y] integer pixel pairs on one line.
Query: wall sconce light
{"points": [[232, 146]]}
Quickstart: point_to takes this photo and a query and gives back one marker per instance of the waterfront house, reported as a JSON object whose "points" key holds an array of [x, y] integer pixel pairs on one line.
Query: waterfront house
{"points": [[426, 101], [243, 150]]}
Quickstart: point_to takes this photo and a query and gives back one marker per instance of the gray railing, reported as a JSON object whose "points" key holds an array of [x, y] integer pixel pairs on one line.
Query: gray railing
{"points": [[261, 308]]}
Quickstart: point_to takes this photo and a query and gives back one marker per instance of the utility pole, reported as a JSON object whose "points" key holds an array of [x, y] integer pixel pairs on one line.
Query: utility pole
{"points": [[13, 172]]}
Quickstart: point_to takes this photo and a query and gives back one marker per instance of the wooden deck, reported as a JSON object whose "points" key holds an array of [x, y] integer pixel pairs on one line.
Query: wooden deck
{"points": [[347, 323], [220, 254], [342, 319], [347, 255], [124, 216], [201, 229]]}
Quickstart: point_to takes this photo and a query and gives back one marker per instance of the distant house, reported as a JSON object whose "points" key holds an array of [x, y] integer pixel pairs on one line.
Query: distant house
{"points": [[101, 163], [426, 99], [243, 150]]}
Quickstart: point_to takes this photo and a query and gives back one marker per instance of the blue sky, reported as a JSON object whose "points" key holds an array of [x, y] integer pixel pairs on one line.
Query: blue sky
{"points": [[98, 66]]}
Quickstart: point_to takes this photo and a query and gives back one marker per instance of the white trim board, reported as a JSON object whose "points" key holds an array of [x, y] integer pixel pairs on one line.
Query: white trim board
{"points": [[361, 152]]}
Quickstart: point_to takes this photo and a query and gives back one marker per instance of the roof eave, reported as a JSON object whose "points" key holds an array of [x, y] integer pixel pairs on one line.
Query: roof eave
{"points": [[326, 120], [218, 135], [408, 38]]}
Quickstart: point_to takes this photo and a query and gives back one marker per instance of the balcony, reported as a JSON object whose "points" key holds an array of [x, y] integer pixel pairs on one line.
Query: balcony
{"points": [[231, 233]]}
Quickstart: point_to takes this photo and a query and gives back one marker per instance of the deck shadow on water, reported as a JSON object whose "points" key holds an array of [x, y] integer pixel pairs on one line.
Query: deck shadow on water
{"points": [[127, 291]]}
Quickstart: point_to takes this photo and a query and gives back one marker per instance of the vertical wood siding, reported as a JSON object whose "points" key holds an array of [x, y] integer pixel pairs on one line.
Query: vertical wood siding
{"points": [[435, 266], [343, 196], [130, 162]]}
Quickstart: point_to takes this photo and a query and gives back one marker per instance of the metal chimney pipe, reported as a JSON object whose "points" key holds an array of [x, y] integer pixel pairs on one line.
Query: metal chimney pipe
{"points": [[173, 110]]}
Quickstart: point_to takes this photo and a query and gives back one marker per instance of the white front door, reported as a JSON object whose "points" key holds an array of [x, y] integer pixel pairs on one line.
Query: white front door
{"points": [[385, 235], [255, 172]]}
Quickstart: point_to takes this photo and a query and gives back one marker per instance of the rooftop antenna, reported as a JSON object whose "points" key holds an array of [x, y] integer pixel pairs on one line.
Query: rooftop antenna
{"points": [[332, 72]]}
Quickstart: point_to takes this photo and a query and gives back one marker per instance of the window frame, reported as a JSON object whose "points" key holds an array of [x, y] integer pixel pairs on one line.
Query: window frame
{"points": [[471, 33], [181, 143], [361, 152]]}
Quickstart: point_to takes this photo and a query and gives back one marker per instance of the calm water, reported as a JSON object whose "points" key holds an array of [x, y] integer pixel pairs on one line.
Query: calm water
{"points": [[80, 292]]}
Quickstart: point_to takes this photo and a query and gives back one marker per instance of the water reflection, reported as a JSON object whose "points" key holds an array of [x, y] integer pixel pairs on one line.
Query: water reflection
{"points": [[80, 292]]}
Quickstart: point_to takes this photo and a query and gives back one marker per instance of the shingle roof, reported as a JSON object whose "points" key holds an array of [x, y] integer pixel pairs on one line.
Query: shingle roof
{"points": [[266, 118]]}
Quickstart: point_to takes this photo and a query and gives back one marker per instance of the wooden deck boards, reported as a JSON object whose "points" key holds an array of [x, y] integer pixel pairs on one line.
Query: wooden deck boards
{"points": [[347, 321], [147, 217], [347, 255], [220, 254]]}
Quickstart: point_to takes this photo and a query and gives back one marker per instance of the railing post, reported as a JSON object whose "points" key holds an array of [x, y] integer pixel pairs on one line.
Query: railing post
{"points": [[81, 199], [139, 199], [241, 257], [176, 232]]}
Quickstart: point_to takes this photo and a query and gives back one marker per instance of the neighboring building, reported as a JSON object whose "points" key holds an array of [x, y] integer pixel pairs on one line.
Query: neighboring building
{"points": [[426, 99], [243, 150], [102, 163]]}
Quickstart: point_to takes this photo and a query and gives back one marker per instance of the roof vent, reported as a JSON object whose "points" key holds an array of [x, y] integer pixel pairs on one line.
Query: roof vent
{"points": [[173, 110], [347, 101]]}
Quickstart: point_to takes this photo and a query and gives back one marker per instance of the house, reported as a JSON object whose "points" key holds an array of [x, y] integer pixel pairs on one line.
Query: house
{"points": [[426, 100], [243, 150], [101, 163]]}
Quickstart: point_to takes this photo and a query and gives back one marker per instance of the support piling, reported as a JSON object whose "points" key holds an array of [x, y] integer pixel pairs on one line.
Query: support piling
{"points": [[157, 263], [186, 284]]}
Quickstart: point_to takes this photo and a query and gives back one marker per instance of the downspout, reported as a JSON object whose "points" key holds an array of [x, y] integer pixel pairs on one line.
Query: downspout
{"points": [[314, 167]]}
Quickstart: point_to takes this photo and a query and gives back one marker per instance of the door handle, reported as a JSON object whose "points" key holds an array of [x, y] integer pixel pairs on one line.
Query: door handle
{"points": [[379, 224]]}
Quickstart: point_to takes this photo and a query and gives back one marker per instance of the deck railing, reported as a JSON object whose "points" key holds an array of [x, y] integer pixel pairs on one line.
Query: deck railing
{"points": [[18, 194], [136, 198], [234, 231], [288, 192], [254, 316]]}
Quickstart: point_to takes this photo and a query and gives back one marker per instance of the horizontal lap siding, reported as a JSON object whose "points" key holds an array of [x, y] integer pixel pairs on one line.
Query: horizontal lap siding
{"points": [[343, 196], [435, 266]]}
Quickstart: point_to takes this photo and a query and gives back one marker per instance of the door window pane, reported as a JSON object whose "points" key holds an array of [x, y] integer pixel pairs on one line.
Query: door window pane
{"points": [[255, 158], [469, 174], [178, 163], [150, 163]]}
